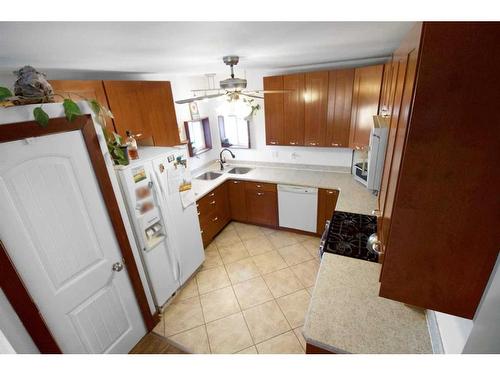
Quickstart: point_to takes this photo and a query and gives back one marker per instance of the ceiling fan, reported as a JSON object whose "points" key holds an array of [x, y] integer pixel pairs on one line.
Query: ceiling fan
{"points": [[231, 87]]}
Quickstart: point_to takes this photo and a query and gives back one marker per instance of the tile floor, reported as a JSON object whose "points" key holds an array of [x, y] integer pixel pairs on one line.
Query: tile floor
{"points": [[250, 295]]}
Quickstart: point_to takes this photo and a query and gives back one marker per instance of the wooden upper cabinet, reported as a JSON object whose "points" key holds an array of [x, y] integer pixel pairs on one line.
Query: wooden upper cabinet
{"points": [[365, 103], [157, 98], [80, 90], [340, 85], [315, 108], [273, 107], [293, 109], [144, 107], [126, 101], [442, 204]]}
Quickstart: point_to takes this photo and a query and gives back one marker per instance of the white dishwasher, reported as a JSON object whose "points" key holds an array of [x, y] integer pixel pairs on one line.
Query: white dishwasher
{"points": [[298, 207]]}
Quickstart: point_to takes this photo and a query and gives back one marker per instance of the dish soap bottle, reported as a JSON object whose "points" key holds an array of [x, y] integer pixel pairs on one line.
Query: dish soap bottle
{"points": [[132, 146]]}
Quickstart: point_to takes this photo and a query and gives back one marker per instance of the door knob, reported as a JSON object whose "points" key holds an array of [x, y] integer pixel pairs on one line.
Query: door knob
{"points": [[117, 267]]}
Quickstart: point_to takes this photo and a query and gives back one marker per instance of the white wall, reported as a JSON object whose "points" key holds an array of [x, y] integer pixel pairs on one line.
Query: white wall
{"points": [[454, 332], [13, 329], [485, 334]]}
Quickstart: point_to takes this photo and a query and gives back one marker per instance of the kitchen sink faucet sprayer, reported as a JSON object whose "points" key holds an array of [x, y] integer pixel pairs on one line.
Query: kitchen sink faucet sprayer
{"points": [[223, 161]]}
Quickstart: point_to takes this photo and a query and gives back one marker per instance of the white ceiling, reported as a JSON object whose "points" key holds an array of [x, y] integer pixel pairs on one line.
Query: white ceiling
{"points": [[193, 47]]}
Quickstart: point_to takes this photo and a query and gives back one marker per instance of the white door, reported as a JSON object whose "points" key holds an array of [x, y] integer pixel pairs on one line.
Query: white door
{"points": [[56, 229]]}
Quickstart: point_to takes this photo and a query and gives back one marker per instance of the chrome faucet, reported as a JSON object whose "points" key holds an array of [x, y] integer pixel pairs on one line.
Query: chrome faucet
{"points": [[223, 161]]}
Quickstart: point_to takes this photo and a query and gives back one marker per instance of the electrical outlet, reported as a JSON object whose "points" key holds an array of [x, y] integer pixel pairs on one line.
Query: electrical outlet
{"points": [[294, 155]]}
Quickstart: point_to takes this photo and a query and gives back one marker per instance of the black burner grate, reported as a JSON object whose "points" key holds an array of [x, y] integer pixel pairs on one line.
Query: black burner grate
{"points": [[348, 234]]}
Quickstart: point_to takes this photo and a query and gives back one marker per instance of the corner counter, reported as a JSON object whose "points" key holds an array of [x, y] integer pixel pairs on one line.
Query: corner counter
{"points": [[346, 314]]}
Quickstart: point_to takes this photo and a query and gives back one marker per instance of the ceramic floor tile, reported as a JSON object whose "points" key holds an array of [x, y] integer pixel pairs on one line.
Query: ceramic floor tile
{"points": [[246, 231], [300, 336], [229, 334], [265, 321], [252, 292], [306, 272], [227, 237], [182, 315], [282, 238], [268, 231], [310, 290], [190, 289], [294, 254], [250, 350], [212, 258], [160, 328], [212, 279], [269, 262], [219, 303], [242, 270], [304, 237], [295, 306], [282, 282], [258, 245], [312, 246], [287, 343], [233, 253], [193, 341]]}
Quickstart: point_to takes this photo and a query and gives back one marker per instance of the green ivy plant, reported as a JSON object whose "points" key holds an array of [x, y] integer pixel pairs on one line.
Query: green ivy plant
{"points": [[72, 111]]}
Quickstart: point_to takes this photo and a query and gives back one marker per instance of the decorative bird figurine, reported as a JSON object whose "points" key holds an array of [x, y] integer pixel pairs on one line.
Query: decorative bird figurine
{"points": [[32, 87]]}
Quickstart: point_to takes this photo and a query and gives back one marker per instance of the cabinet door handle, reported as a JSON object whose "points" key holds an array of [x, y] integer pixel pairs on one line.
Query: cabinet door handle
{"points": [[273, 142], [198, 213], [236, 182], [260, 193], [331, 191], [213, 202], [215, 218], [259, 186], [201, 231], [211, 195], [335, 144], [293, 143], [312, 143]]}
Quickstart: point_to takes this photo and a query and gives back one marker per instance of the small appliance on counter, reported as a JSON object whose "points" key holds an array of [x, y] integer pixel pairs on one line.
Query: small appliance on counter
{"points": [[347, 234], [369, 169]]}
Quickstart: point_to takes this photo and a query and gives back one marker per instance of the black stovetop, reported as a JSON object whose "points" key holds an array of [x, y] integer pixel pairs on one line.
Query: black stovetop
{"points": [[348, 234]]}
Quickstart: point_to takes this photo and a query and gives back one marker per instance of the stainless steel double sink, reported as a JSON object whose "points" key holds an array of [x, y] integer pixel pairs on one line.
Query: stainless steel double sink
{"points": [[213, 175]]}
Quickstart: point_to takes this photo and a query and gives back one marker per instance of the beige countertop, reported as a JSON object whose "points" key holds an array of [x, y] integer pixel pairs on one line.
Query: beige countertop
{"points": [[353, 197], [346, 314]]}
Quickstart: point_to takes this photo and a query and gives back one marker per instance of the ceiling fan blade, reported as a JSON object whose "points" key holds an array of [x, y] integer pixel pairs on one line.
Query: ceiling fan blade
{"points": [[251, 95], [268, 91], [198, 98]]}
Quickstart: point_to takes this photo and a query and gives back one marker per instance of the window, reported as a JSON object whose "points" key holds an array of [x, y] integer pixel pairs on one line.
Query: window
{"points": [[198, 136], [234, 132]]}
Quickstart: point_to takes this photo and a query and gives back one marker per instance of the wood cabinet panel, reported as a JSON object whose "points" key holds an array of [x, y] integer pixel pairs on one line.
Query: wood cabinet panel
{"points": [[315, 108], [365, 103], [79, 90], [262, 205], [213, 213], [340, 86], [293, 109], [160, 114], [327, 201], [440, 246], [237, 201], [144, 107], [273, 108]]}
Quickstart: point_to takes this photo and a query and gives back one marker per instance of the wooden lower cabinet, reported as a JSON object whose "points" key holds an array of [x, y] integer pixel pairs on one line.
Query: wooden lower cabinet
{"points": [[327, 200], [237, 201], [262, 203], [213, 213]]}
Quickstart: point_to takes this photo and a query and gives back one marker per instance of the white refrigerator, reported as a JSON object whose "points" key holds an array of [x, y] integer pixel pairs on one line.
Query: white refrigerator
{"points": [[162, 209]]}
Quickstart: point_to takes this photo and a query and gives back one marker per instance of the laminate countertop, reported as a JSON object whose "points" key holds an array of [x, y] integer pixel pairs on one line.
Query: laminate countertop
{"points": [[346, 314], [353, 197]]}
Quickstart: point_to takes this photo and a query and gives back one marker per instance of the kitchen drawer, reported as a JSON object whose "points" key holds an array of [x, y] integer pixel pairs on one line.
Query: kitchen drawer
{"points": [[260, 186]]}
